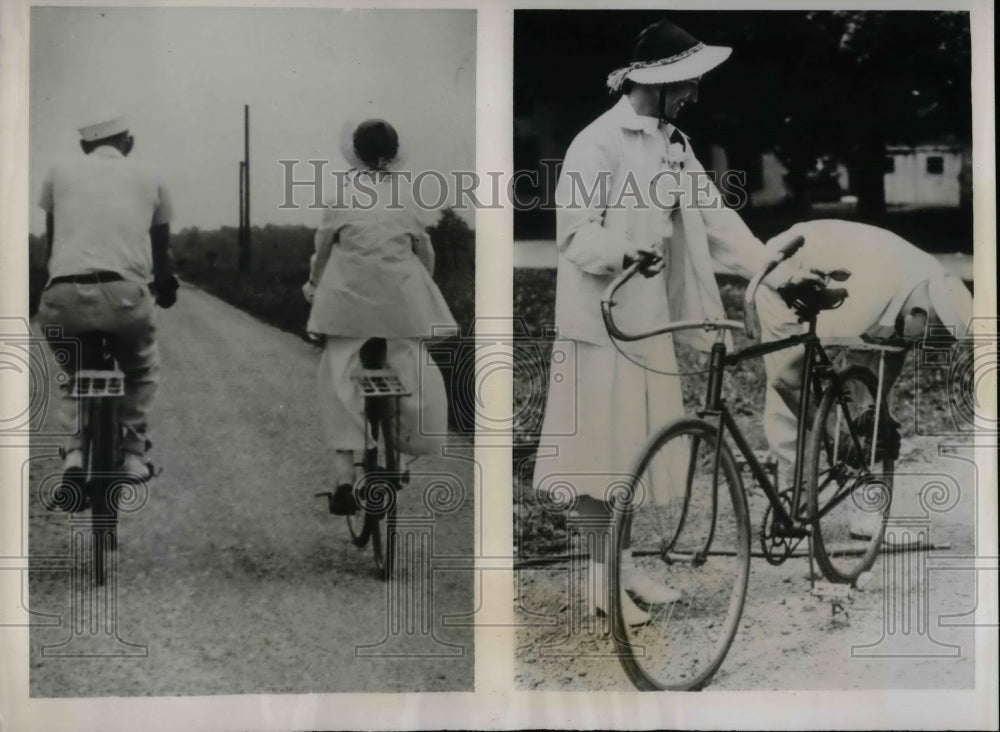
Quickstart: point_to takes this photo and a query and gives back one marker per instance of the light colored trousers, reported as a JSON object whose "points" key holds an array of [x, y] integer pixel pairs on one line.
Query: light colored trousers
{"points": [[124, 312], [784, 375]]}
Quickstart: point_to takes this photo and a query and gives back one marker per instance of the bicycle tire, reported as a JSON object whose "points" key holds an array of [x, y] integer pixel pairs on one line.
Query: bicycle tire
{"points": [[379, 490], [706, 558], [385, 541], [104, 445], [357, 523], [843, 483]]}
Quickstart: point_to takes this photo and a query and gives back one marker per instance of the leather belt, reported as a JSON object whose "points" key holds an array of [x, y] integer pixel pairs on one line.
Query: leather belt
{"points": [[89, 278]]}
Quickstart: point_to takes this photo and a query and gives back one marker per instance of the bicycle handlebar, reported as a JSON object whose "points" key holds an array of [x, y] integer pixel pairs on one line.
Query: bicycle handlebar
{"points": [[608, 302], [749, 313], [749, 300]]}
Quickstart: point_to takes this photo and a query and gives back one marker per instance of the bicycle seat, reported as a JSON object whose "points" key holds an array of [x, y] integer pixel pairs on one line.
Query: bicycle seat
{"points": [[808, 298]]}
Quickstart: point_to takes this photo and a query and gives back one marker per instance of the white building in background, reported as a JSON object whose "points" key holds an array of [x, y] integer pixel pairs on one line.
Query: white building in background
{"points": [[924, 175]]}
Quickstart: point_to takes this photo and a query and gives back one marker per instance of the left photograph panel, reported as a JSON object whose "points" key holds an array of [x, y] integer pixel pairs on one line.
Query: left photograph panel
{"points": [[251, 465]]}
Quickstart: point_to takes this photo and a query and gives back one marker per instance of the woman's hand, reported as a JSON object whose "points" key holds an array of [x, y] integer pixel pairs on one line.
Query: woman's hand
{"points": [[308, 291], [652, 254]]}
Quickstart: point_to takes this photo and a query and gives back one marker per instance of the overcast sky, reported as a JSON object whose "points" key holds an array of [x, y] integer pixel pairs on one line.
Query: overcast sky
{"points": [[182, 75]]}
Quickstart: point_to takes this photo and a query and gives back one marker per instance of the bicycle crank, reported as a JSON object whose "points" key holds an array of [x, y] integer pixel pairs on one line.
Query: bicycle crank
{"points": [[779, 542]]}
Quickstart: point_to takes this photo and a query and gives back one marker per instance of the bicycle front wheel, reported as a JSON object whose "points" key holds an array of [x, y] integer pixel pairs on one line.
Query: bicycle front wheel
{"points": [[849, 489], [683, 525]]}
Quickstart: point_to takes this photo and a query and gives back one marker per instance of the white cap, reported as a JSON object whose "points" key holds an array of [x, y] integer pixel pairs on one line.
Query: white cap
{"points": [[107, 128]]}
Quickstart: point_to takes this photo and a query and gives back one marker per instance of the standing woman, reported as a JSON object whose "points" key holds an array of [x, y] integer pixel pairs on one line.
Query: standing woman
{"points": [[653, 197], [374, 299]]}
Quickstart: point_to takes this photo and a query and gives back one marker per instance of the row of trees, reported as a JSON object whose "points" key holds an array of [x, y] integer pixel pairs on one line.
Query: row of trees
{"points": [[807, 85]]}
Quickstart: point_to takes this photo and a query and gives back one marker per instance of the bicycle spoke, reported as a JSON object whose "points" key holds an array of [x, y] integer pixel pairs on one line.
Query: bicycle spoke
{"points": [[849, 496]]}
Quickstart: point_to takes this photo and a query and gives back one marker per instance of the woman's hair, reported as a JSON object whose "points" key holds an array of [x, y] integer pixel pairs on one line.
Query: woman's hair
{"points": [[376, 143]]}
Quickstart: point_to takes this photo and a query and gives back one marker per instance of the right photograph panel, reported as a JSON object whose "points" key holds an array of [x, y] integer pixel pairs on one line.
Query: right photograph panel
{"points": [[744, 390]]}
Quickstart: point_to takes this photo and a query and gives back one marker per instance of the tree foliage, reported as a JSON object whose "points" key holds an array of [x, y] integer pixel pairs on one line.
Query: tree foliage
{"points": [[805, 84]]}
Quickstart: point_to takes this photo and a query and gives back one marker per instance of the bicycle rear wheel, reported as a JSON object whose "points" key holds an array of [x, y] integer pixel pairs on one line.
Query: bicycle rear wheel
{"points": [[678, 526], [104, 450], [381, 490], [849, 492]]}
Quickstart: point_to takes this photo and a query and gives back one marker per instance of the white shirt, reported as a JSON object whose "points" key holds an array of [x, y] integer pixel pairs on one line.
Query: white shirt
{"points": [[103, 205], [885, 269]]}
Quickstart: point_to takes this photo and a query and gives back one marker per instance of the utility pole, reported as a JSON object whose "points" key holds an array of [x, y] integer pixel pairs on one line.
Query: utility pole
{"points": [[244, 260], [241, 231]]}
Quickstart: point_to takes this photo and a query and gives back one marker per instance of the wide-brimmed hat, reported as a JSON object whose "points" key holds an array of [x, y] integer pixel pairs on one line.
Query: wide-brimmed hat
{"points": [[665, 53], [349, 134]]}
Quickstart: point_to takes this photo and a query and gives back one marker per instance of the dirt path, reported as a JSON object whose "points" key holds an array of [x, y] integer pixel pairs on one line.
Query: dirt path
{"points": [[905, 630], [233, 576]]}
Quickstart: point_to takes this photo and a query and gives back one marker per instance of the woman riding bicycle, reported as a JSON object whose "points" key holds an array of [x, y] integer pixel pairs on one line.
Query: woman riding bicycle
{"points": [[374, 300]]}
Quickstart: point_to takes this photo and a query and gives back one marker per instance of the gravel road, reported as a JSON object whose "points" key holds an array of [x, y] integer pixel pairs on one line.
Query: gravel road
{"points": [[232, 578]]}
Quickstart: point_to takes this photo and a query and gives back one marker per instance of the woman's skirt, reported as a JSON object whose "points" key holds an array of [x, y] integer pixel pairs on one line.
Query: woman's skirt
{"points": [[423, 416], [594, 428]]}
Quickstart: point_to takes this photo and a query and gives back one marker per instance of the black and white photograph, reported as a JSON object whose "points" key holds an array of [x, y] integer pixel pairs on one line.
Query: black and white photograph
{"points": [[750, 378], [481, 364], [250, 465]]}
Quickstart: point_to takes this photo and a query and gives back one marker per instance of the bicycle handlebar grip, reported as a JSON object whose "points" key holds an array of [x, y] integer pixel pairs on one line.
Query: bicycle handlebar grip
{"points": [[749, 304], [643, 262], [790, 248], [608, 299]]}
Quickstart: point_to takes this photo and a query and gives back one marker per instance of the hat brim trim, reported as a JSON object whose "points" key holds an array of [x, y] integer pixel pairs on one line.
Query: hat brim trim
{"points": [[689, 67]]}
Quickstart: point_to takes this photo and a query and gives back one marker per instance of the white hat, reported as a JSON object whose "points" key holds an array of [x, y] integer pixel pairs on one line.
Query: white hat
{"points": [[664, 54], [100, 130]]}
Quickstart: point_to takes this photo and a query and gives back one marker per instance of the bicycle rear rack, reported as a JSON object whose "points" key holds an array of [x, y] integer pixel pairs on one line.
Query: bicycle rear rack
{"points": [[93, 384], [379, 383]]}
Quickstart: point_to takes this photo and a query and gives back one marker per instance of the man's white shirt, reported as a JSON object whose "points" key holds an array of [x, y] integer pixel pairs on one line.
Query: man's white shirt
{"points": [[103, 205]]}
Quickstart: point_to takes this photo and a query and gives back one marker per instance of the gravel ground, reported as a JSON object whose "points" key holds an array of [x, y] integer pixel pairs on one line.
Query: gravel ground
{"points": [[909, 615], [232, 578]]}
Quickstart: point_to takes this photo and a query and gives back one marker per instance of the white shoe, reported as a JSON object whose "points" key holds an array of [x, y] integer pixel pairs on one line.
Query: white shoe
{"points": [[632, 614], [645, 587], [73, 462], [136, 465]]}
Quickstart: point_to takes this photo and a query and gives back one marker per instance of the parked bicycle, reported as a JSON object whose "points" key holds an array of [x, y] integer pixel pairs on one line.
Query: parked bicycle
{"points": [[683, 515], [382, 475]]}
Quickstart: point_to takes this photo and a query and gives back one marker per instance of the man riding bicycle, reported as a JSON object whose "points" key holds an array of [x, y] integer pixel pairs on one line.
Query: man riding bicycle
{"points": [[107, 234]]}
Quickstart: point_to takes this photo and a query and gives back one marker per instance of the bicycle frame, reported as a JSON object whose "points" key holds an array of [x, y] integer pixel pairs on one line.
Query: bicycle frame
{"points": [[97, 390], [816, 368]]}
